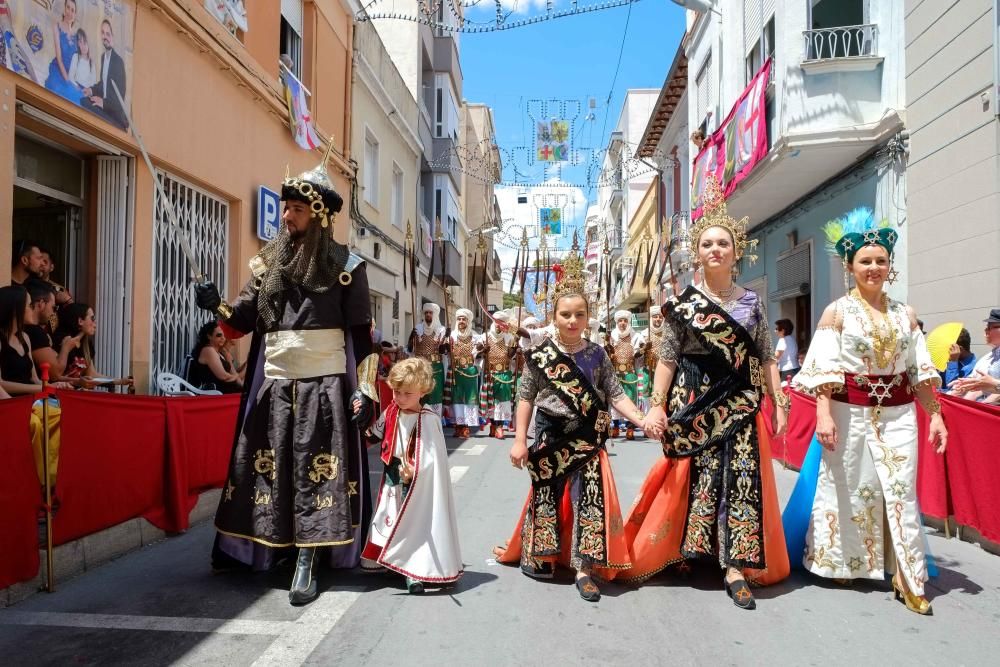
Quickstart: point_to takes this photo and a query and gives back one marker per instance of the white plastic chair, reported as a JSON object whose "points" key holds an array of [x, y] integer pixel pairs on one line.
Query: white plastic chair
{"points": [[172, 385]]}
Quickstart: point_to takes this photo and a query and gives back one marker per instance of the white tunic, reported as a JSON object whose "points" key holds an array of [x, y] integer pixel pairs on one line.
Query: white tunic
{"points": [[866, 491]]}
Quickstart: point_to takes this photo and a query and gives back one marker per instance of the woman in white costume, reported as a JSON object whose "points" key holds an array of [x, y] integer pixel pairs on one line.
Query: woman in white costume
{"points": [[866, 363]]}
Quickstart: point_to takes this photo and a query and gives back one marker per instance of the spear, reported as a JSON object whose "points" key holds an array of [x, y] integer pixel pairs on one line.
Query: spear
{"points": [[444, 284], [520, 303], [410, 253], [607, 288]]}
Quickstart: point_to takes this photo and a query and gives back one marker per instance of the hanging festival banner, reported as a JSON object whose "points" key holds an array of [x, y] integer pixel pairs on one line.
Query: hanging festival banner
{"points": [[738, 145], [74, 49], [299, 117], [552, 141], [550, 221]]}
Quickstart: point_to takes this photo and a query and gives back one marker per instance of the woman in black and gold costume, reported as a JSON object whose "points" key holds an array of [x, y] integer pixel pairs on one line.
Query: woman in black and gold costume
{"points": [[712, 496]]}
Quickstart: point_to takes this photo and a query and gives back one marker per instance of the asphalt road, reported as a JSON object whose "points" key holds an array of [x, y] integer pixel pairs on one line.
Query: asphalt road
{"points": [[162, 605]]}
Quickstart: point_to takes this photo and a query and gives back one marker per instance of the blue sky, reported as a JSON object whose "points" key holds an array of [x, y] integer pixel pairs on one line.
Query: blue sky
{"points": [[571, 59]]}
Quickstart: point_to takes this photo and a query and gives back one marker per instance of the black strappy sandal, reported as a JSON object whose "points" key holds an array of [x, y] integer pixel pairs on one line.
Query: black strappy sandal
{"points": [[740, 593]]}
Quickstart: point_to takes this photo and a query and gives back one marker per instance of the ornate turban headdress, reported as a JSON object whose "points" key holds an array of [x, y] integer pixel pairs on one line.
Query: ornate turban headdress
{"points": [[848, 234], [570, 279], [315, 188], [714, 214]]}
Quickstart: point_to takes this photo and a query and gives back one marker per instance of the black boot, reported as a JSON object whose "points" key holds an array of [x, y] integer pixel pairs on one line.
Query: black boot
{"points": [[303, 590]]}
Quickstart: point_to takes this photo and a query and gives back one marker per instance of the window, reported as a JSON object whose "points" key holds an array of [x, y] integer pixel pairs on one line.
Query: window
{"points": [[205, 218], [758, 34], [703, 89], [371, 169], [445, 109], [291, 34], [397, 196]]}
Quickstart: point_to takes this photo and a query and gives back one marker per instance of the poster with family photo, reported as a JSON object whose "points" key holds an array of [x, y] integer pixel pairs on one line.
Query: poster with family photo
{"points": [[75, 48]]}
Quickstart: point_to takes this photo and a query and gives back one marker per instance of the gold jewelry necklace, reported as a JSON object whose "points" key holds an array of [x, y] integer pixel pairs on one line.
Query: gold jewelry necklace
{"points": [[721, 294], [570, 348], [884, 337]]}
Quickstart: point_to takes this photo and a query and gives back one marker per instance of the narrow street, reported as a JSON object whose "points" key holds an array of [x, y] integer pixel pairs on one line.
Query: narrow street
{"points": [[162, 605]]}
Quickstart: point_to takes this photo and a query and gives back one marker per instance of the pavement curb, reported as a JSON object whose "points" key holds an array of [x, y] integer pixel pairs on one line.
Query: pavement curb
{"points": [[92, 551]]}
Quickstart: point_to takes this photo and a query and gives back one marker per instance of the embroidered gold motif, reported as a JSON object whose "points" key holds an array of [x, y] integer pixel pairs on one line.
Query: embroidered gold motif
{"points": [[855, 563], [229, 490], [892, 460], [603, 421], [660, 533], [324, 466], [324, 501], [261, 497], [264, 463], [352, 488]]}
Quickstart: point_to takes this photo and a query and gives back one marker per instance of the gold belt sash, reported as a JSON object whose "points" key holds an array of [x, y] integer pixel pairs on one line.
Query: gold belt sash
{"points": [[308, 353]]}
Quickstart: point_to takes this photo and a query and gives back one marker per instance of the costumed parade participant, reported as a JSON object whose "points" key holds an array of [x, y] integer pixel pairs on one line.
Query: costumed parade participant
{"points": [[623, 349], [463, 374], [429, 340], [298, 474], [593, 332], [414, 530], [857, 496], [572, 517], [713, 494], [651, 340], [496, 395]]}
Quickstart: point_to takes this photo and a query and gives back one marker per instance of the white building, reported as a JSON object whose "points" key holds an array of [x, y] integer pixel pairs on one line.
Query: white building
{"points": [[834, 116]]}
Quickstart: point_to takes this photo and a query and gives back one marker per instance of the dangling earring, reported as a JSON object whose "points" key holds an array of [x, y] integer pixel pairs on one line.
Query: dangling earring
{"points": [[893, 275], [847, 277], [735, 271]]}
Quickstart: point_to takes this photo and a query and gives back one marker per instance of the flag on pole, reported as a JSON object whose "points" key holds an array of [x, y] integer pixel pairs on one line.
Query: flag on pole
{"points": [[298, 112]]}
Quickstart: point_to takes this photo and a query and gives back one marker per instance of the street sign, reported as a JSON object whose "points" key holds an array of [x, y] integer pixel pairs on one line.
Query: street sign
{"points": [[268, 214]]}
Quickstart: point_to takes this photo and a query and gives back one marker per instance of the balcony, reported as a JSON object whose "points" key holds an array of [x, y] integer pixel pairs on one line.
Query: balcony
{"points": [[445, 160], [445, 59], [845, 48], [843, 102]]}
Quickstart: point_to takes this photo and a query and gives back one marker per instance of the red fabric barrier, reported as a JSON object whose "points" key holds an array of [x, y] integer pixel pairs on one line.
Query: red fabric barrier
{"points": [[199, 435], [112, 462], [791, 449], [932, 472], [19, 494], [973, 464]]}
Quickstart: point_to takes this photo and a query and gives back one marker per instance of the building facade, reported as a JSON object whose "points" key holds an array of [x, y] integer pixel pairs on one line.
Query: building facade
{"points": [[953, 203], [834, 115], [387, 148], [208, 103]]}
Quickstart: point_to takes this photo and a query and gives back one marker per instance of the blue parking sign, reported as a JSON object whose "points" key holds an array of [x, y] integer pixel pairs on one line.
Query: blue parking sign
{"points": [[268, 214]]}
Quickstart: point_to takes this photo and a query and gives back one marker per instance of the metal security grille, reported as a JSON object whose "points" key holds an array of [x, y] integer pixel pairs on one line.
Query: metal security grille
{"points": [[114, 266], [793, 273], [204, 220]]}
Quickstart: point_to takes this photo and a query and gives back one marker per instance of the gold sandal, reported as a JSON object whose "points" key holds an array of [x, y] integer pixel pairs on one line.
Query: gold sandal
{"points": [[915, 603]]}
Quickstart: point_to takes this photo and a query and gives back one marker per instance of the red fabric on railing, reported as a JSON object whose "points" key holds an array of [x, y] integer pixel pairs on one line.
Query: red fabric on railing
{"points": [[19, 494], [973, 464], [112, 460], [199, 435], [932, 471], [791, 449]]}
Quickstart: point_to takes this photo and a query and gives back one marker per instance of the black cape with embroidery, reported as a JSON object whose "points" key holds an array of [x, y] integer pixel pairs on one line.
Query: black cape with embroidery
{"points": [[298, 473]]}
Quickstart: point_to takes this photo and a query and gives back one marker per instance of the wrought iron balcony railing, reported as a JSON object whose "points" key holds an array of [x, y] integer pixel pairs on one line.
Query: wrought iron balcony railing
{"points": [[851, 41]]}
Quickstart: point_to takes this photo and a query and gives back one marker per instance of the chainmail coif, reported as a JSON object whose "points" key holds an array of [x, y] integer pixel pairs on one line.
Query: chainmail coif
{"points": [[315, 265]]}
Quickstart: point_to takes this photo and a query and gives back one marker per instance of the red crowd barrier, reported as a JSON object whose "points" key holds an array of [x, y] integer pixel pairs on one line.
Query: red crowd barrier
{"points": [[19, 494], [964, 483], [121, 457]]}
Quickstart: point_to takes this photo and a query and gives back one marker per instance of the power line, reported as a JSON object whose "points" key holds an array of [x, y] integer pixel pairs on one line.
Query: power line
{"points": [[614, 80]]}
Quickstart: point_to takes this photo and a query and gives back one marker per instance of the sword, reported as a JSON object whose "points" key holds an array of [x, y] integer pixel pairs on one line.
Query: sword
{"points": [[196, 272]]}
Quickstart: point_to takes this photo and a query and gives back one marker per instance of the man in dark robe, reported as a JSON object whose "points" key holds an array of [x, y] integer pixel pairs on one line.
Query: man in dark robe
{"points": [[298, 474]]}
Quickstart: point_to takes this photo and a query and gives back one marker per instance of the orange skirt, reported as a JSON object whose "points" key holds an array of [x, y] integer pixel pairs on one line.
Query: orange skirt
{"points": [[614, 535], [656, 523]]}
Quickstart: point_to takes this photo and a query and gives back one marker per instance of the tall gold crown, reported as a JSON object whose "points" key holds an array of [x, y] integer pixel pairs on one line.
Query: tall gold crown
{"points": [[572, 281], [714, 214]]}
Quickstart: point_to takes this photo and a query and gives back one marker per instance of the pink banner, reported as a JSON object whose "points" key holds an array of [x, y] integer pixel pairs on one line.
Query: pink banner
{"points": [[733, 150]]}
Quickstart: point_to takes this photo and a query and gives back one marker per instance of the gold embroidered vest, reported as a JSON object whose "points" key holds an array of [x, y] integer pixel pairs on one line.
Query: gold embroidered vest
{"points": [[498, 358], [652, 354], [426, 346]]}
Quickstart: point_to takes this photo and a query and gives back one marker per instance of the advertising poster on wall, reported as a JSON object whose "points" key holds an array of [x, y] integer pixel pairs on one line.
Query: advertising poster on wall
{"points": [[75, 48]]}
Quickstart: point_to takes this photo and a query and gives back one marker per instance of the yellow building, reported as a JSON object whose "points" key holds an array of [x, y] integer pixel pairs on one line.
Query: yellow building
{"points": [[212, 112], [634, 292]]}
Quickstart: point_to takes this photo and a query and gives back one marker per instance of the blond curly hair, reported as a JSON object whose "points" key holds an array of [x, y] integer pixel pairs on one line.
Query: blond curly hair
{"points": [[414, 374]]}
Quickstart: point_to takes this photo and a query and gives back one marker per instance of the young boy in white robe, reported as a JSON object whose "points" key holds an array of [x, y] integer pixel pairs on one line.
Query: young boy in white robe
{"points": [[414, 530]]}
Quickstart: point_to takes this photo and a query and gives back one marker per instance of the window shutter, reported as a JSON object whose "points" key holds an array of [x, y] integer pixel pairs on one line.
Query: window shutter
{"points": [[793, 272], [751, 24], [292, 11]]}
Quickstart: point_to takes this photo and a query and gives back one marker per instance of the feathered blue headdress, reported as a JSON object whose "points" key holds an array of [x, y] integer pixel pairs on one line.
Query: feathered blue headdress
{"points": [[858, 228]]}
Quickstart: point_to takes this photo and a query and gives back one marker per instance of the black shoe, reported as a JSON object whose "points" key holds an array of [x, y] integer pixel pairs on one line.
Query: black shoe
{"points": [[538, 570], [304, 589], [588, 589], [740, 593]]}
